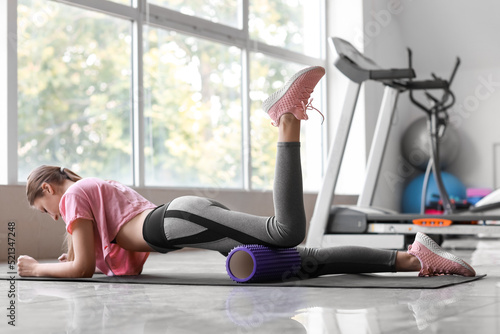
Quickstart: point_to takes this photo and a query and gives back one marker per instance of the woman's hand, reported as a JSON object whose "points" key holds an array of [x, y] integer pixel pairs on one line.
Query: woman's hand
{"points": [[63, 258], [82, 266], [26, 266]]}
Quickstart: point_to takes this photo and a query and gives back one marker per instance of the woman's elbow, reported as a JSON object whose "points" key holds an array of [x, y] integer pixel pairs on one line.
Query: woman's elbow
{"points": [[87, 274], [86, 271], [89, 271]]}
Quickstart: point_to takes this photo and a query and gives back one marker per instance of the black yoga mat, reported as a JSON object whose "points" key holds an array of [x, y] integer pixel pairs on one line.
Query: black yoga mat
{"points": [[393, 281]]}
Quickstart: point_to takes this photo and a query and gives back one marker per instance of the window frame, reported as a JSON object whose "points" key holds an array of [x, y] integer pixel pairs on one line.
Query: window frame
{"points": [[140, 14]]}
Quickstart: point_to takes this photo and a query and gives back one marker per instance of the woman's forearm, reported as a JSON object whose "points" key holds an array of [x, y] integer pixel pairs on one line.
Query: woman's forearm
{"points": [[62, 269], [84, 261]]}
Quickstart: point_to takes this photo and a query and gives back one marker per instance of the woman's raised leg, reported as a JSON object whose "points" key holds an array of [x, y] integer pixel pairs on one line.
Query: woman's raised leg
{"points": [[203, 223]]}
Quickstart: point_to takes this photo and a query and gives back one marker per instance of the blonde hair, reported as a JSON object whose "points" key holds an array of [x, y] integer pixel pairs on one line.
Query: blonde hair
{"points": [[50, 174], [55, 176]]}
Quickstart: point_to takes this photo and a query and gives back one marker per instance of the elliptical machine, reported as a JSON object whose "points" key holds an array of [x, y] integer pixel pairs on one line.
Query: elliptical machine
{"points": [[437, 121]]}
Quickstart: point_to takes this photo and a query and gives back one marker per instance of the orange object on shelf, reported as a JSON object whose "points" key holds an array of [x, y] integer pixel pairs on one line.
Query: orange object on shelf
{"points": [[432, 222]]}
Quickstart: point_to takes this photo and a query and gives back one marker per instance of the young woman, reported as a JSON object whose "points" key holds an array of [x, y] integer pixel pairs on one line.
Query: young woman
{"points": [[114, 228]]}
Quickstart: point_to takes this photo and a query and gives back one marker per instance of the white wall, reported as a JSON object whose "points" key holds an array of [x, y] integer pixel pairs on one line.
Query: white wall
{"points": [[345, 20], [437, 32], [384, 43]]}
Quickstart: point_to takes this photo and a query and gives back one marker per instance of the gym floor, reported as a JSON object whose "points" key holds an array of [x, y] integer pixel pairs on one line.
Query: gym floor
{"points": [[61, 307]]}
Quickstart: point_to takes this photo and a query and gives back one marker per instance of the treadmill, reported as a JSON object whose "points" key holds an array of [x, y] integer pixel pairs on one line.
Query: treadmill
{"points": [[363, 224]]}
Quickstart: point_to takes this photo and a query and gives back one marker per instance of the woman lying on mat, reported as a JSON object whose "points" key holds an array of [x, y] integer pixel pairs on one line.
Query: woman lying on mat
{"points": [[114, 228]]}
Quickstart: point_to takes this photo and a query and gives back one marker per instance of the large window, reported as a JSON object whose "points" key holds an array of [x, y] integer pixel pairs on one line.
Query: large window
{"points": [[163, 92], [193, 113], [226, 12], [74, 82], [290, 24]]}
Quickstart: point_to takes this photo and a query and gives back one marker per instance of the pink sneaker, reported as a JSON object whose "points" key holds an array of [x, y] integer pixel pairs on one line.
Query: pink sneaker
{"points": [[435, 260], [293, 97]]}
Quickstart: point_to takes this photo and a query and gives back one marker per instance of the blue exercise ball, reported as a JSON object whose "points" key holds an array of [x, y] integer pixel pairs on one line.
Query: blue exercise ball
{"points": [[416, 145], [413, 192]]}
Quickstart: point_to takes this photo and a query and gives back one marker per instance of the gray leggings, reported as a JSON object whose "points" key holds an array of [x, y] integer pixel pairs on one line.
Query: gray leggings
{"points": [[199, 222]]}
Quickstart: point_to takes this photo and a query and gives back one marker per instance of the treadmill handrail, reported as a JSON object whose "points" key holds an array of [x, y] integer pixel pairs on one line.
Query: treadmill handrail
{"points": [[358, 68], [358, 74]]}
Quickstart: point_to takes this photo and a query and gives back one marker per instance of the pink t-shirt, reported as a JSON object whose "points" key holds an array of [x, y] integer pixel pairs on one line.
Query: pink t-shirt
{"points": [[109, 205]]}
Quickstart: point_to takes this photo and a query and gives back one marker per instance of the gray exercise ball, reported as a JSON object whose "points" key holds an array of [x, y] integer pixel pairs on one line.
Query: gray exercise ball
{"points": [[416, 145]]}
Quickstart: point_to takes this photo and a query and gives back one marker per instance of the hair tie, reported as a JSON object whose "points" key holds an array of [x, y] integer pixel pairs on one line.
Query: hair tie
{"points": [[62, 170]]}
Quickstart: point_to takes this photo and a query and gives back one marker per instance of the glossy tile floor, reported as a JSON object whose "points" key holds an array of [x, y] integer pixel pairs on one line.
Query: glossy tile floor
{"points": [[57, 307]]}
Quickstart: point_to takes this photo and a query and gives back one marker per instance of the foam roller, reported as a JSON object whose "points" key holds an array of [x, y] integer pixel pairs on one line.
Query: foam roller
{"points": [[256, 263]]}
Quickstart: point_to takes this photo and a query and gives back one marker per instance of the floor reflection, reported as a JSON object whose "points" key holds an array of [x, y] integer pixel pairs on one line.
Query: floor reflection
{"points": [[252, 307], [348, 311], [102, 307], [320, 320], [487, 252]]}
